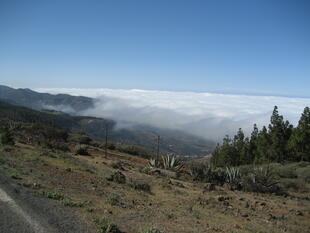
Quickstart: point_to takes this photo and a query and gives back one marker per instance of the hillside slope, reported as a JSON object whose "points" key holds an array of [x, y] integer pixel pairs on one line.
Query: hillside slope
{"points": [[120, 192], [35, 100], [170, 143]]}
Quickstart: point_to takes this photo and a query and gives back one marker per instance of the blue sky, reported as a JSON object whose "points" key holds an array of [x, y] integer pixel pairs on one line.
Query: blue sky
{"points": [[248, 47]]}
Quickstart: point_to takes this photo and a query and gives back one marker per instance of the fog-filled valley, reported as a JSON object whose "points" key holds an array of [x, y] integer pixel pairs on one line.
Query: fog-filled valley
{"points": [[208, 115]]}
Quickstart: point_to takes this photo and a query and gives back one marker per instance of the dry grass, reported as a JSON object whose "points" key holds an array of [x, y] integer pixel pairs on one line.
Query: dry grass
{"points": [[172, 206]]}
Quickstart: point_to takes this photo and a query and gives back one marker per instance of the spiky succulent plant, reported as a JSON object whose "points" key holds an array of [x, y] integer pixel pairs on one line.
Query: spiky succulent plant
{"points": [[233, 175], [171, 162]]}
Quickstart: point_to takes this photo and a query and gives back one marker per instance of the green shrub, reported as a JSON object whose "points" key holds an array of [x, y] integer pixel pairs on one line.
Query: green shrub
{"points": [[53, 145], [6, 137], [15, 176], [85, 140], [66, 201], [81, 150], [87, 170], [303, 171], [286, 172], [294, 185], [117, 165], [105, 226], [146, 170], [70, 203], [68, 169], [207, 173], [49, 133], [117, 177], [114, 200], [261, 179], [8, 148], [141, 186], [304, 174], [53, 195], [150, 230], [2, 161], [32, 185], [170, 215]]}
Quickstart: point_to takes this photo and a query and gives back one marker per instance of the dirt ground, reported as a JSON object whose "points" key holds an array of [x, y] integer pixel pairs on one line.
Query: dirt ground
{"points": [[68, 191]]}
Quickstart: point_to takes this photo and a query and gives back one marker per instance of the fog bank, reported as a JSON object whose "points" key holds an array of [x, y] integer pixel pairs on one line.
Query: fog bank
{"points": [[208, 115]]}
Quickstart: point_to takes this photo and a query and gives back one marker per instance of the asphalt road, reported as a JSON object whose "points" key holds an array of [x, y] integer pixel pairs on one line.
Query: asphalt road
{"points": [[23, 212]]}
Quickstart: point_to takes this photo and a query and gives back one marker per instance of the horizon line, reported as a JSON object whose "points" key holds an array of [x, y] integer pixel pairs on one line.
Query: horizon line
{"points": [[223, 92]]}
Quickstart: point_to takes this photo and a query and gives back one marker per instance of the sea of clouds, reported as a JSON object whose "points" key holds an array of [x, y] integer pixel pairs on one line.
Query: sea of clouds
{"points": [[209, 115]]}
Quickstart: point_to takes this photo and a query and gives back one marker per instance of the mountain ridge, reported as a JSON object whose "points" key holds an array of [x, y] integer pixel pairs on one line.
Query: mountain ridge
{"points": [[172, 141], [35, 100]]}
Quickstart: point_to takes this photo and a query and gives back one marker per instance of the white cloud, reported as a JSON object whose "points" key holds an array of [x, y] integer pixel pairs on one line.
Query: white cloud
{"points": [[205, 114]]}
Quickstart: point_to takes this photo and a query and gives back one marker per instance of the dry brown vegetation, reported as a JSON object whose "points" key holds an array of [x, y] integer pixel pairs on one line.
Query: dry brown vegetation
{"points": [[171, 205]]}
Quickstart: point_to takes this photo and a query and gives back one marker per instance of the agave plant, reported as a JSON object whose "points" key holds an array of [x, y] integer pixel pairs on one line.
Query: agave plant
{"points": [[262, 179], [154, 162], [199, 171], [171, 162], [233, 177], [264, 176], [205, 172]]}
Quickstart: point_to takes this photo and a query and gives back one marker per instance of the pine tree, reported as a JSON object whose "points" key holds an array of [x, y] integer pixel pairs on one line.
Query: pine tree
{"points": [[278, 143], [215, 159], [280, 133], [263, 145], [225, 155], [299, 143], [240, 149], [252, 146]]}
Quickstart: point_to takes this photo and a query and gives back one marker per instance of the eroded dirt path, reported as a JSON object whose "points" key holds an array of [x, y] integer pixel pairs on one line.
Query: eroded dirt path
{"points": [[23, 212]]}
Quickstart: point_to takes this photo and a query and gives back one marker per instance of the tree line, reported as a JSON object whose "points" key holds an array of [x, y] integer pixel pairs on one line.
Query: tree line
{"points": [[279, 142]]}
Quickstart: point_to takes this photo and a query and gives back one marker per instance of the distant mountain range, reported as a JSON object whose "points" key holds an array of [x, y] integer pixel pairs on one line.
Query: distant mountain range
{"points": [[30, 106], [38, 101]]}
